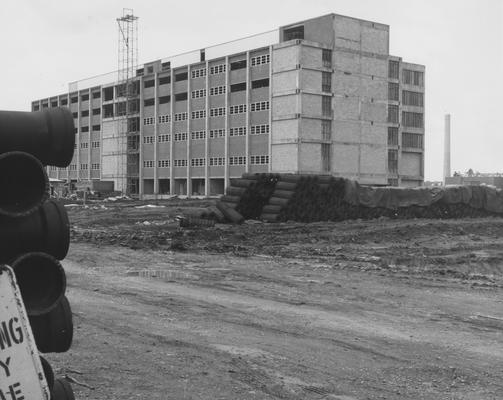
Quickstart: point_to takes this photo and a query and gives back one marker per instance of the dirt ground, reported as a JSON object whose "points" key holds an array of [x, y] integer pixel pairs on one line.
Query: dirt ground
{"points": [[380, 309]]}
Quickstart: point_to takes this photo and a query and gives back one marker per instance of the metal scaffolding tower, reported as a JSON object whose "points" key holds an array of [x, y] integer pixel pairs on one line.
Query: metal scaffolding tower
{"points": [[127, 106]]}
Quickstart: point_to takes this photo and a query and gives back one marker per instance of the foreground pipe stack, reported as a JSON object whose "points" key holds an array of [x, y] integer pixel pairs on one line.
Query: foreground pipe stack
{"points": [[34, 230]]}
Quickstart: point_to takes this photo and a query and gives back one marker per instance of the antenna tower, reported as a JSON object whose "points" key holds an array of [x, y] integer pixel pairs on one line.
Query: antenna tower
{"points": [[127, 107]]}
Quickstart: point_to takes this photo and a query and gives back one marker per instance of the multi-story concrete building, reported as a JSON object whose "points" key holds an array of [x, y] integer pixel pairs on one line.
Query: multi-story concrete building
{"points": [[319, 96]]}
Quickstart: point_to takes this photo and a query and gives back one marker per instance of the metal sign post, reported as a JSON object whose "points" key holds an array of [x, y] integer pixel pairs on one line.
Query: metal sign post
{"points": [[21, 374]]}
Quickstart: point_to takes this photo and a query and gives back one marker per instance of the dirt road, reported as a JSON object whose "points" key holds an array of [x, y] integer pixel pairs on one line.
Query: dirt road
{"points": [[355, 310]]}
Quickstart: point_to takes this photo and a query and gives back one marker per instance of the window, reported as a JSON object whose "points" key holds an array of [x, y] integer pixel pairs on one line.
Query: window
{"points": [[95, 166], [148, 84], [133, 142], [166, 65], [163, 163], [198, 135], [45, 105], [95, 145], [180, 136], [149, 102], [84, 145], [326, 81], [413, 140], [139, 72], [74, 99], [164, 80], [75, 130], [237, 109], [84, 97], [96, 127], [197, 94], [181, 116], [84, 113], [75, 114], [259, 106], [265, 59], [326, 130], [238, 87], [216, 133], [392, 136], [412, 98], [296, 32], [108, 111], [180, 163], [108, 93], [413, 77], [148, 164], [259, 129], [181, 76], [259, 160], [326, 58], [238, 131], [121, 108], [198, 114], [412, 119], [393, 92], [164, 99], [36, 107], [237, 160], [84, 129], [238, 65], [216, 161], [393, 161], [55, 103], [148, 121], [198, 162], [164, 119], [325, 157], [96, 111], [73, 167], [133, 124], [181, 96], [198, 73], [64, 102], [216, 90], [83, 166], [393, 67], [260, 83], [393, 114], [326, 106], [217, 69], [150, 69], [217, 112], [148, 139], [96, 95], [164, 138]]}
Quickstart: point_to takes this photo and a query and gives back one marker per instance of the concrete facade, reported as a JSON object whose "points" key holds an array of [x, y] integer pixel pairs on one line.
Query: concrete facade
{"points": [[322, 96]]}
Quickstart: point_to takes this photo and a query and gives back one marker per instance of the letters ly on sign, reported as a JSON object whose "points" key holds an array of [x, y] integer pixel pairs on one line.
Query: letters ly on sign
{"points": [[21, 376]]}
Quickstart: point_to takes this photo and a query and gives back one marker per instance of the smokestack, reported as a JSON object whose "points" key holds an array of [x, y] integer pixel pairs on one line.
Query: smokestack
{"points": [[447, 147]]}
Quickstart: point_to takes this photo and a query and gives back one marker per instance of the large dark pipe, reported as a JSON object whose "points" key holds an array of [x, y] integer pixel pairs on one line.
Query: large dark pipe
{"points": [[23, 184], [47, 134], [41, 280], [53, 331], [62, 390], [46, 230]]}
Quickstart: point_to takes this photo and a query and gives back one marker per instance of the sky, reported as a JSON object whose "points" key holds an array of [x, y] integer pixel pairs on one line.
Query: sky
{"points": [[48, 44]]}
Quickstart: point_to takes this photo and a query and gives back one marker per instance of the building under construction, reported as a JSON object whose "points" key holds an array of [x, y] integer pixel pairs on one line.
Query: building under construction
{"points": [[321, 96]]}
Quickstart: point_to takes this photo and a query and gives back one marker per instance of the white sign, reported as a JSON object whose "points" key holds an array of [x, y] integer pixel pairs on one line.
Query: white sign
{"points": [[21, 374]]}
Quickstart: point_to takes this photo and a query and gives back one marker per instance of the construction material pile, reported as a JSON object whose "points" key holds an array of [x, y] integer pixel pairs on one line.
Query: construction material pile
{"points": [[309, 198]]}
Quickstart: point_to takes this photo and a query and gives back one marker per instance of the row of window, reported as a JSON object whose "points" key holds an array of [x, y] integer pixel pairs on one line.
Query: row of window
{"points": [[84, 167], [213, 161], [409, 77], [201, 135], [84, 129], [412, 140], [408, 98], [410, 119]]}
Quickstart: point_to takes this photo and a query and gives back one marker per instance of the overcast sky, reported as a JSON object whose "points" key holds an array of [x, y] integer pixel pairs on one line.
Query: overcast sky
{"points": [[47, 44]]}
